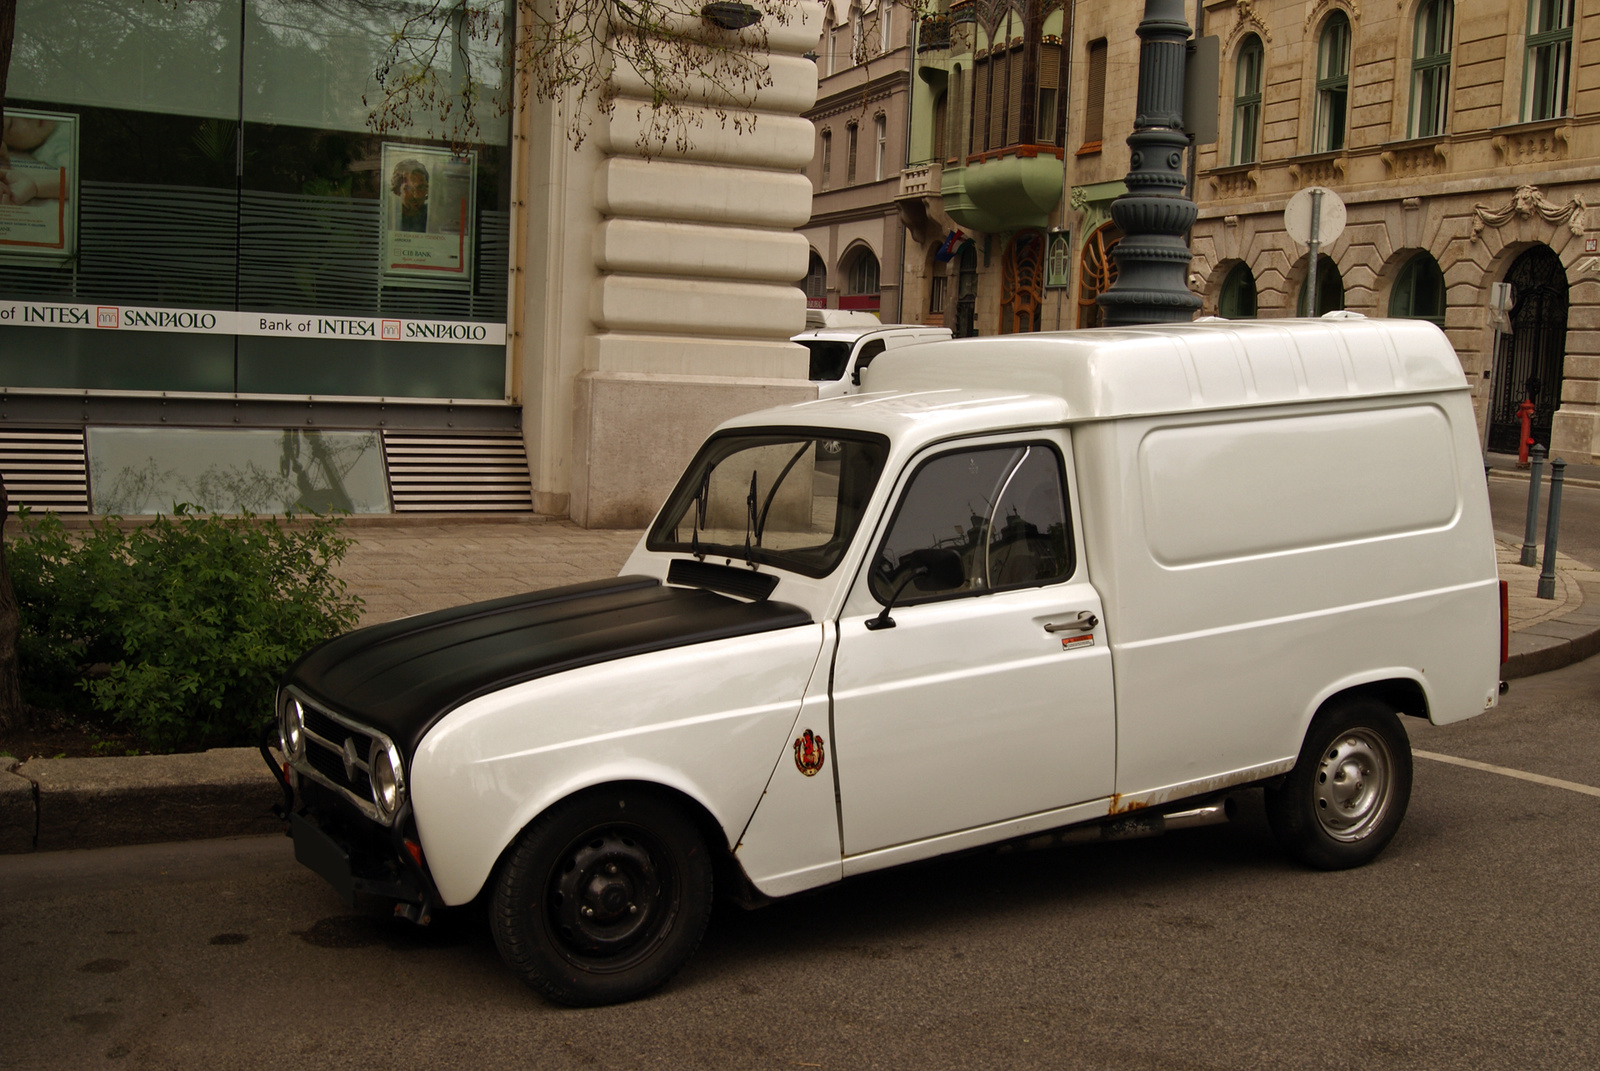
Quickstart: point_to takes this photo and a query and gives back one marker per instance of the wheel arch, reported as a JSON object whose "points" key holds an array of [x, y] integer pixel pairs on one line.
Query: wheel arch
{"points": [[1402, 689], [728, 873]]}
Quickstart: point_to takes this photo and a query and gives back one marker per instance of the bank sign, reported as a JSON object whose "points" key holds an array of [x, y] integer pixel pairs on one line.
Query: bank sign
{"points": [[225, 322]]}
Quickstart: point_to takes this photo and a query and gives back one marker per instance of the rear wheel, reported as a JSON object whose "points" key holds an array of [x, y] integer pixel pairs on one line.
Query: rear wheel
{"points": [[604, 897], [1347, 794]]}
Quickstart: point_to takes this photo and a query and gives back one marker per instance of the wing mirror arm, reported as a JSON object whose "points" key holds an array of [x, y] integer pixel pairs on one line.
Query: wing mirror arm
{"points": [[883, 620]]}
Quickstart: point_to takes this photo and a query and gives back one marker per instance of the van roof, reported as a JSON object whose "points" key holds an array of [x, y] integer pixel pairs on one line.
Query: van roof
{"points": [[1210, 364], [1032, 380], [851, 333]]}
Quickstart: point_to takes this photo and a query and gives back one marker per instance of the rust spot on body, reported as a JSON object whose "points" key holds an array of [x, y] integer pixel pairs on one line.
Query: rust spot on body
{"points": [[1118, 807]]}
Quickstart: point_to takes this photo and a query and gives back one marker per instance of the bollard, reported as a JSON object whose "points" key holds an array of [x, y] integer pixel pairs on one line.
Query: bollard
{"points": [[1552, 523], [1530, 538]]}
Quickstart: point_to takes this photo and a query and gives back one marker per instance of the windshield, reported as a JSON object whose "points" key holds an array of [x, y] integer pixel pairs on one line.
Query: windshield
{"points": [[828, 359], [785, 499]]}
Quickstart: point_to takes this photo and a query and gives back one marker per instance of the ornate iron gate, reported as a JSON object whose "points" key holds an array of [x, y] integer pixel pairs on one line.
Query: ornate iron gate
{"points": [[1530, 358]]}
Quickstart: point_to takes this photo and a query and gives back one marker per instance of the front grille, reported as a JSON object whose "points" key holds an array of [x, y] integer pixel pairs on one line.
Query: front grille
{"points": [[325, 740]]}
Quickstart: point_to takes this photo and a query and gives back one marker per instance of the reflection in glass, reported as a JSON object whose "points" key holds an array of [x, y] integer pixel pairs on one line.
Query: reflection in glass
{"points": [[135, 471]]}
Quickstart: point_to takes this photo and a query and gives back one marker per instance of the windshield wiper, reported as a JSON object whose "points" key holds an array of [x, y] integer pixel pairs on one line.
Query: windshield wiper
{"points": [[750, 519], [766, 507], [700, 497]]}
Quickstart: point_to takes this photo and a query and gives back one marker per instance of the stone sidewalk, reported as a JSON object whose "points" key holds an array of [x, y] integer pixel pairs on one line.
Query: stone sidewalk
{"points": [[403, 566]]}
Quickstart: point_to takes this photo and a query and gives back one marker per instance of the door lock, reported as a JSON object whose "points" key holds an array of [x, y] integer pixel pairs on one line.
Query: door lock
{"points": [[1086, 622]]}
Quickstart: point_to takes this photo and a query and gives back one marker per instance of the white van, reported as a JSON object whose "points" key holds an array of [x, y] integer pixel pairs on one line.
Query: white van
{"points": [[1080, 585], [839, 354]]}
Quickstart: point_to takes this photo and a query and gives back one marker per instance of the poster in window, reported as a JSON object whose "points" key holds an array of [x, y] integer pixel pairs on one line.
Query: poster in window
{"points": [[1058, 263], [428, 214], [39, 186]]}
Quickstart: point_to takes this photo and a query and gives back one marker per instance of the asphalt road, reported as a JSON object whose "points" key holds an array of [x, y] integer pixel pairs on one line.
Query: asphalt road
{"points": [[1469, 944], [1579, 534]]}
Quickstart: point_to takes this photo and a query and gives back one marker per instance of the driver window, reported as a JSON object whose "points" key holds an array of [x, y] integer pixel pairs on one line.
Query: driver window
{"points": [[868, 353], [1001, 509]]}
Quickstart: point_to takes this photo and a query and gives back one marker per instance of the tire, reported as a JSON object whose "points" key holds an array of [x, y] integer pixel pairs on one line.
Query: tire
{"points": [[1347, 794], [604, 897]]}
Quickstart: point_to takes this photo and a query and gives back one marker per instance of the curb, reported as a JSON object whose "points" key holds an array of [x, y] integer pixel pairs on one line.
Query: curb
{"points": [[56, 804], [1559, 642]]}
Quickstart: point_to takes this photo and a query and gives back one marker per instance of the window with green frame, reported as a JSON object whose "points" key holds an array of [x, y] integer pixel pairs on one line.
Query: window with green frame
{"points": [[1548, 66], [1430, 68], [1238, 298], [1247, 102], [1333, 84], [1419, 291]]}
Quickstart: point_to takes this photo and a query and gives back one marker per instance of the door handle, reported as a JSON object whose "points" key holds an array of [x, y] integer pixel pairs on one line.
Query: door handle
{"points": [[1086, 622]]}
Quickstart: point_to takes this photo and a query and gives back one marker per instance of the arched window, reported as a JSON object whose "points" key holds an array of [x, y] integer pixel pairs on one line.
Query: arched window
{"points": [[816, 283], [827, 158], [880, 167], [1096, 272], [861, 280], [941, 123], [851, 136], [1330, 289], [1238, 298], [1333, 84], [1548, 67], [1419, 291], [1430, 68], [1247, 103]]}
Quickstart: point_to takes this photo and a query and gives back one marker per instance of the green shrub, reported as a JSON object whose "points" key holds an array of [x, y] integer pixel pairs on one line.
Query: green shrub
{"points": [[179, 629]]}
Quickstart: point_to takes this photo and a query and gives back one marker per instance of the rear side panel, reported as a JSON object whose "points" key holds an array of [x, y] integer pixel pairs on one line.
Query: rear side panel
{"points": [[1253, 562]]}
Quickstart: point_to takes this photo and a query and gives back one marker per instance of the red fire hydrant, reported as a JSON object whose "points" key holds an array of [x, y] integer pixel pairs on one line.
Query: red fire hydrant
{"points": [[1525, 414]]}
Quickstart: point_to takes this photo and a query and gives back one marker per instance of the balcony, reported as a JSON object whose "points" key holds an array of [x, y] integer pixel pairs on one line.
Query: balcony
{"points": [[1006, 190], [919, 180]]}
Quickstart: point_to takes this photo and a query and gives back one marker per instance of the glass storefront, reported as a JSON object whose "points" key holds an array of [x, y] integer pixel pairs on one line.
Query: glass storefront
{"points": [[206, 208]]}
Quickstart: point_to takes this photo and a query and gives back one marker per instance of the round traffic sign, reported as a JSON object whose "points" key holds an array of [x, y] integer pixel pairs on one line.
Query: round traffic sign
{"points": [[1330, 217]]}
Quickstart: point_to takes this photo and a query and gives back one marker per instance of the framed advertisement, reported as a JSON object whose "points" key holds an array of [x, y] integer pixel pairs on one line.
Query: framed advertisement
{"points": [[428, 216], [39, 187]]}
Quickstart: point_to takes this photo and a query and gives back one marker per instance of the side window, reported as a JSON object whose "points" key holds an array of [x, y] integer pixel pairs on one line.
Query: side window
{"points": [[868, 353], [1001, 509]]}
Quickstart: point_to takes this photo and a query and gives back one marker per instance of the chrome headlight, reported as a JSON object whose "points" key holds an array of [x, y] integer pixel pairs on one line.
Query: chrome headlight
{"points": [[292, 730], [388, 778]]}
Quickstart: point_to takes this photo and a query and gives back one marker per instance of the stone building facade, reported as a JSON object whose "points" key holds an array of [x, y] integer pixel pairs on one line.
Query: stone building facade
{"points": [[1464, 141], [856, 239]]}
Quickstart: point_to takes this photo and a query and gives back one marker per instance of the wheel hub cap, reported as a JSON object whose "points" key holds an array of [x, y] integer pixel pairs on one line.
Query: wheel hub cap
{"points": [[606, 894], [1353, 785]]}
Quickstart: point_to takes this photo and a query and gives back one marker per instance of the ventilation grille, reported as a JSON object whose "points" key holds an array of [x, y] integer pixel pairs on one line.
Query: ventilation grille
{"points": [[465, 473], [44, 470]]}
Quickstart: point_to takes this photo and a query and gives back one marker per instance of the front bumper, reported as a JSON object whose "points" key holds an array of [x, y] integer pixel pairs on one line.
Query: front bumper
{"points": [[358, 856]]}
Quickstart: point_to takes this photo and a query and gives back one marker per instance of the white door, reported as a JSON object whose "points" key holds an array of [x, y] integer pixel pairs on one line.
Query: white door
{"points": [[989, 698]]}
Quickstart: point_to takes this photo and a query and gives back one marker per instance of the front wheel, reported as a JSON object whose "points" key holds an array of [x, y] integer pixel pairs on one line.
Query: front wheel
{"points": [[604, 897], [1347, 794]]}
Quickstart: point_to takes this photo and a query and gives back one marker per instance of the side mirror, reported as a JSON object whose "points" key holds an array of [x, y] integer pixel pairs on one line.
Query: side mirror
{"points": [[935, 569], [930, 569]]}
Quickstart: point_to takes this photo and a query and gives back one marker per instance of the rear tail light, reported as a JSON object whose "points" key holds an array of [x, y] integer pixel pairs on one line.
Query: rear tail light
{"points": [[1505, 625]]}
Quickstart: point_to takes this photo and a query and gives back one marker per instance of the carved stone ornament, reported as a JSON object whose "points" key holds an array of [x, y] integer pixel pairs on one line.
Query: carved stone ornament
{"points": [[1527, 202], [1315, 11], [1245, 18]]}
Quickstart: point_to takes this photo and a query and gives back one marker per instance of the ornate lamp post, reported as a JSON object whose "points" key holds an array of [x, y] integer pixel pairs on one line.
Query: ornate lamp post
{"points": [[1153, 257]]}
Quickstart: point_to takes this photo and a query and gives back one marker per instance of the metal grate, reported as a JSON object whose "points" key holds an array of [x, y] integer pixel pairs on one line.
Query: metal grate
{"points": [[45, 470], [473, 473]]}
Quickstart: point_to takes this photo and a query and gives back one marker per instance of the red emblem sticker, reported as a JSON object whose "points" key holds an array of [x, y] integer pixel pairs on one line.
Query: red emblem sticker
{"points": [[808, 753]]}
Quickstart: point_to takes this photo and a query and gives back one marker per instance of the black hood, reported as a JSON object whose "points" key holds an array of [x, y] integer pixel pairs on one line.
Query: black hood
{"points": [[403, 676]]}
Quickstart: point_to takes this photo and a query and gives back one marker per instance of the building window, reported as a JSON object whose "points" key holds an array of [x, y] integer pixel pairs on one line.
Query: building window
{"points": [[1044, 124], [1419, 291], [1430, 68], [860, 271], [938, 287], [1247, 103], [850, 139], [1058, 262], [885, 25], [1545, 77], [1333, 84], [1238, 298], [952, 142], [941, 121], [1330, 289], [1094, 98], [827, 158], [816, 283], [856, 30], [881, 166]]}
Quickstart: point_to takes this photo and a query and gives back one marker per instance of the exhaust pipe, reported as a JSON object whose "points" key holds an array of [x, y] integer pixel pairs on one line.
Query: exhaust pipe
{"points": [[1133, 826]]}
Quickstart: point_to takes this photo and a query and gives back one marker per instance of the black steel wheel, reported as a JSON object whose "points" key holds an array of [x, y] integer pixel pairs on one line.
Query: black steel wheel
{"points": [[1347, 794], [604, 897]]}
